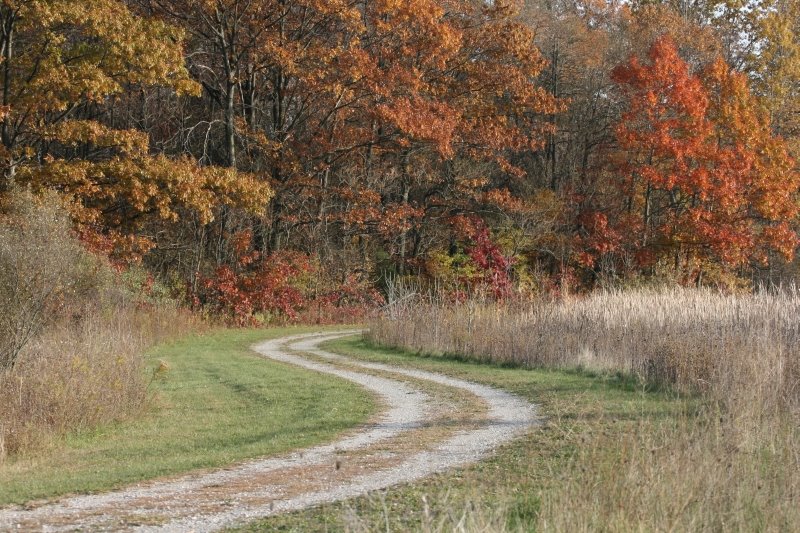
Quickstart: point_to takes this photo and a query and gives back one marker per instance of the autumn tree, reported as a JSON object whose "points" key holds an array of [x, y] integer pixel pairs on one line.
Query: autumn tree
{"points": [[364, 117], [756, 37], [775, 69], [60, 61], [64, 64], [278, 81], [575, 38], [702, 177], [461, 103]]}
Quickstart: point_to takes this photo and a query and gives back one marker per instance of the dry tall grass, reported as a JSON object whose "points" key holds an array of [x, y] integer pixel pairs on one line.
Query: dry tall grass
{"points": [[694, 474], [72, 333], [731, 462], [694, 340], [80, 374], [473, 516]]}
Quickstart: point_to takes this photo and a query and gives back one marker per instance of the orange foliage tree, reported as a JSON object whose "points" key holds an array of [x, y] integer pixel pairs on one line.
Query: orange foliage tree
{"points": [[355, 111], [352, 133], [701, 176]]}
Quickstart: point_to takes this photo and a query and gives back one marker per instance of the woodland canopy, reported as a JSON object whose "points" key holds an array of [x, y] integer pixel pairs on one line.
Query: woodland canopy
{"points": [[270, 158]]}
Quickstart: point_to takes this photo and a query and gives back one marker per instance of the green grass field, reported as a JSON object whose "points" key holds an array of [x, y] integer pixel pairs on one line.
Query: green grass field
{"points": [[583, 411], [611, 454], [217, 403]]}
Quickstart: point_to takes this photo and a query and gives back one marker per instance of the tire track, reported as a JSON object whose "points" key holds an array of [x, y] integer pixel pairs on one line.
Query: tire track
{"points": [[385, 453]]}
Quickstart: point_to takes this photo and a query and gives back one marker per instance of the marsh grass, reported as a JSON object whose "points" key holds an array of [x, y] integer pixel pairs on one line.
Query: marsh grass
{"points": [[690, 340], [729, 461], [687, 474]]}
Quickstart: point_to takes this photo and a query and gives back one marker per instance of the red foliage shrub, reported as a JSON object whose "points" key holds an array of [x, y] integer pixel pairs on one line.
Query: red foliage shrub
{"points": [[486, 255], [283, 286], [349, 302], [268, 285]]}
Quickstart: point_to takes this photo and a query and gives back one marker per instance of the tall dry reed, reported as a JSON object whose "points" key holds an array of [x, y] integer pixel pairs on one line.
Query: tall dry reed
{"points": [[731, 462], [693, 340]]}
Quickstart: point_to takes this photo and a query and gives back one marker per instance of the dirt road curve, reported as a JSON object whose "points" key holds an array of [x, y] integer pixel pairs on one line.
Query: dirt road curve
{"points": [[429, 422]]}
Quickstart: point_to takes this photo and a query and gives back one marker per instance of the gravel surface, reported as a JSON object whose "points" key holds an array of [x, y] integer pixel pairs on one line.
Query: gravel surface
{"points": [[213, 500]]}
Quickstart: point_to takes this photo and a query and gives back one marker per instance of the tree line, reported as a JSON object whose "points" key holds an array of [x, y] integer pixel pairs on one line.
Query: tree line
{"points": [[256, 155]]}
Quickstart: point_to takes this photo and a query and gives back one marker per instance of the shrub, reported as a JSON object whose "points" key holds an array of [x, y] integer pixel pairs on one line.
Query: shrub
{"points": [[282, 286], [83, 370], [42, 266], [270, 285], [72, 331]]}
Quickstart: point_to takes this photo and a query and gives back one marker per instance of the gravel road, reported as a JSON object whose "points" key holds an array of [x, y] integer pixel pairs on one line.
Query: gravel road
{"points": [[420, 430]]}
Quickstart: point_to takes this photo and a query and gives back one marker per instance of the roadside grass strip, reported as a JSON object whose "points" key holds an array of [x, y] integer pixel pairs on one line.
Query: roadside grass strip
{"points": [[215, 402]]}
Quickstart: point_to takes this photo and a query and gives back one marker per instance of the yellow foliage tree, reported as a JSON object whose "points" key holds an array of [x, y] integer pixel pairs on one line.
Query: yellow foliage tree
{"points": [[62, 65]]}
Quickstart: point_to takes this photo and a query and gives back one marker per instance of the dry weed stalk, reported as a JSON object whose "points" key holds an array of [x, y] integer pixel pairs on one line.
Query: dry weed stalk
{"points": [[77, 375], [730, 462], [693, 340]]}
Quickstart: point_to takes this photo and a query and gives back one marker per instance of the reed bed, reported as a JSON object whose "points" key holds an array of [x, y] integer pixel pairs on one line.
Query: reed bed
{"points": [[690, 340], [730, 462]]}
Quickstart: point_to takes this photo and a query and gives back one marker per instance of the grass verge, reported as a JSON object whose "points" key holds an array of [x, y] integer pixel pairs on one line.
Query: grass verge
{"points": [[514, 489], [216, 403]]}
